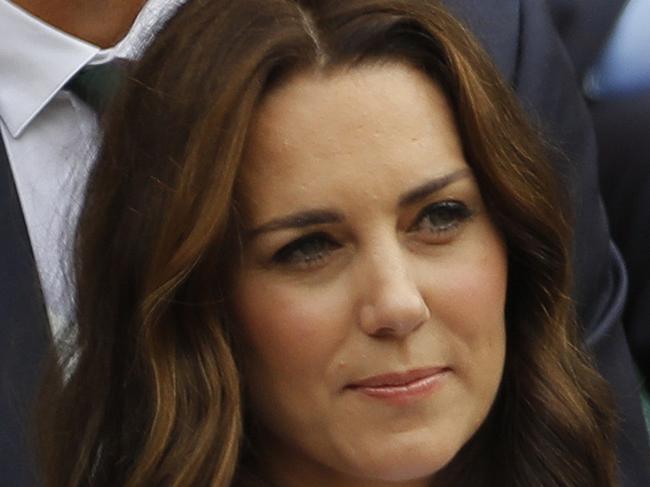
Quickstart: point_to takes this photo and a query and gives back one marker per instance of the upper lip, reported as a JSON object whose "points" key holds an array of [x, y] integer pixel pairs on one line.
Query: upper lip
{"points": [[396, 379]]}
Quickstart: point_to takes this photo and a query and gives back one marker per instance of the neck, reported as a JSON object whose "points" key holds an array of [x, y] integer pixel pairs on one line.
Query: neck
{"points": [[100, 22]]}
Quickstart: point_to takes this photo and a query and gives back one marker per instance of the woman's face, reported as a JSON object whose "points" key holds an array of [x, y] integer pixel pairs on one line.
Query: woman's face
{"points": [[372, 287]]}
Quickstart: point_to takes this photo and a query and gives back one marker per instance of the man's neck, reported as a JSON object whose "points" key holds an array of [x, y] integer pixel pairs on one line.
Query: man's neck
{"points": [[100, 22]]}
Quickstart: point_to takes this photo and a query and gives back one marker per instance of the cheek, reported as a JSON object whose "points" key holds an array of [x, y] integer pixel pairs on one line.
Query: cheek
{"points": [[285, 328], [469, 297], [474, 285], [290, 337]]}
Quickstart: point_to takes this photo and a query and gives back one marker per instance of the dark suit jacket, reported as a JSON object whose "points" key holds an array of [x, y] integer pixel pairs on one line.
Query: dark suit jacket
{"points": [[584, 26], [623, 130], [24, 334], [524, 46]]}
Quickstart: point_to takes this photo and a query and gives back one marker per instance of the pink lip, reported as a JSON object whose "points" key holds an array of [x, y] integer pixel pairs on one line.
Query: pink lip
{"points": [[402, 387]]}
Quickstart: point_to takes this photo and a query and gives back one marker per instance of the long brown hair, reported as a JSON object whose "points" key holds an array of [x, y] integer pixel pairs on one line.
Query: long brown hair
{"points": [[150, 393]]}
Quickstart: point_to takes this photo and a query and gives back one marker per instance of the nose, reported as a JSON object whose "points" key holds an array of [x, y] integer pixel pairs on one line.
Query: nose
{"points": [[392, 304]]}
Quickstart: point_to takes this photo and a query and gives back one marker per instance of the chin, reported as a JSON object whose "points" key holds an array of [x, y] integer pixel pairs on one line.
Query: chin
{"points": [[406, 463]]}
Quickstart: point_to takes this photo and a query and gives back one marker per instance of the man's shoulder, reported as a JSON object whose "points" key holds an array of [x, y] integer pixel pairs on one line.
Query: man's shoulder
{"points": [[496, 24]]}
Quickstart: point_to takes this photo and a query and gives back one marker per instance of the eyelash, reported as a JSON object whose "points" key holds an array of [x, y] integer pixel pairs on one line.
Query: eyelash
{"points": [[450, 213], [298, 252], [309, 250]]}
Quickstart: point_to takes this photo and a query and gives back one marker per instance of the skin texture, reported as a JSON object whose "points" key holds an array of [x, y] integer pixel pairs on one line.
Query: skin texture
{"points": [[100, 22], [387, 285]]}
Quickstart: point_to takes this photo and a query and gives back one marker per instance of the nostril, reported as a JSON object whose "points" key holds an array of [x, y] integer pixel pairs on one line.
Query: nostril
{"points": [[384, 332], [394, 317], [397, 329]]}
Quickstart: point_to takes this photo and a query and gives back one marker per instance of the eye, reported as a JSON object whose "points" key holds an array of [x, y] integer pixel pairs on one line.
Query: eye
{"points": [[441, 218], [306, 251]]}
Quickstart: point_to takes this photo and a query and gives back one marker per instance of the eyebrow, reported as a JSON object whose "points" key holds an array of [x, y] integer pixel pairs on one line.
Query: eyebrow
{"points": [[432, 186], [321, 216], [298, 220]]}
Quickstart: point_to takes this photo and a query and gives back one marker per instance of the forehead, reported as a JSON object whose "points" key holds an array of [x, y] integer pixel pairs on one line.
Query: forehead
{"points": [[372, 131]]}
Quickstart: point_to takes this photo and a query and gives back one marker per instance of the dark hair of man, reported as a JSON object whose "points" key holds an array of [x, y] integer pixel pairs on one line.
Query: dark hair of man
{"points": [[152, 393]]}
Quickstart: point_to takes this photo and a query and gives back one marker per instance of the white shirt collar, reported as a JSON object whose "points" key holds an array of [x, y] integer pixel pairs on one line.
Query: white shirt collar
{"points": [[38, 60]]}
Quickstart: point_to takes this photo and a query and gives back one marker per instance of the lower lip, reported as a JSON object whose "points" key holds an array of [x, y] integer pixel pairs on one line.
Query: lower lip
{"points": [[408, 392]]}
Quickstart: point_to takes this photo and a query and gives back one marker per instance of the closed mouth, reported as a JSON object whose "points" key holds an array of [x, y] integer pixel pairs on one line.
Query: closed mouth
{"points": [[398, 379]]}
